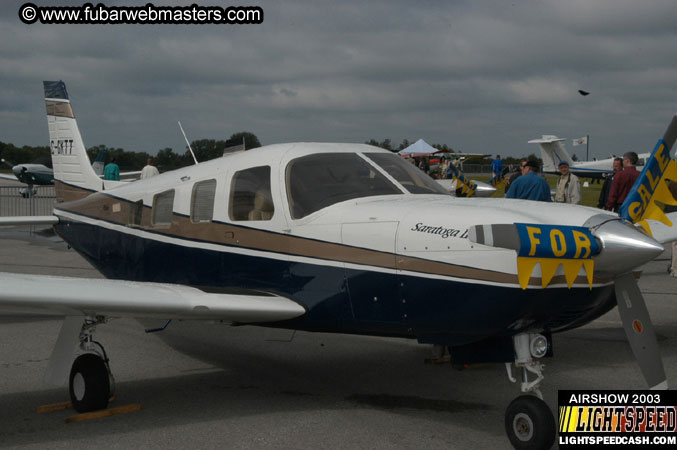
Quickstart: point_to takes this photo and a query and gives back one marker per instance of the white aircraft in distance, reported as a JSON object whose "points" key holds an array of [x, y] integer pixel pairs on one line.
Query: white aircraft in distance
{"points": [[553, 152], [343, 238]]}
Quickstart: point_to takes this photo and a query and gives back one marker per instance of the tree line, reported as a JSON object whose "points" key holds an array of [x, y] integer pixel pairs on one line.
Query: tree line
{"points": [[165, 159], [205, 149]]}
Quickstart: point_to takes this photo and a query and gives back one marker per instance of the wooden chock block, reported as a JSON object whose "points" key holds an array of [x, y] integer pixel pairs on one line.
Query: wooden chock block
{"points": [[104, 413], [54, 407]]}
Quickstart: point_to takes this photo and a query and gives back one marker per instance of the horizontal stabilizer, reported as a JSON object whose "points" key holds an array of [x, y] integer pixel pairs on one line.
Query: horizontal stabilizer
{"points": [[546, 140], [118, 298]]}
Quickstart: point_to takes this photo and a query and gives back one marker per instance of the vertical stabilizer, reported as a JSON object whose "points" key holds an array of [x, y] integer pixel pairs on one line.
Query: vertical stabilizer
{"points": [[552, 152], [69, 158]]}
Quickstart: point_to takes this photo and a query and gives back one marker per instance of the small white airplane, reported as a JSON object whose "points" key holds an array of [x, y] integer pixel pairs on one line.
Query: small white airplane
{"points": [[553, 153], [344, 238], [40, 173]]}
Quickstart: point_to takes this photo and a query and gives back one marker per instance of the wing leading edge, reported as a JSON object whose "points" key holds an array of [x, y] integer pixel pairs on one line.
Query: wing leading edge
{"points": [[117, 298]]}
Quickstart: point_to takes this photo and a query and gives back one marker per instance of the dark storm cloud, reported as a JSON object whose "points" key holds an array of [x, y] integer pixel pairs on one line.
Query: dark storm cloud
{"points": [[474, 75]]}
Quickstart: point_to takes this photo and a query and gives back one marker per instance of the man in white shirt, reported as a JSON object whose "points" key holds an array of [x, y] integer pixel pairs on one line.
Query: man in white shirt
{"points": [[150, 170]]}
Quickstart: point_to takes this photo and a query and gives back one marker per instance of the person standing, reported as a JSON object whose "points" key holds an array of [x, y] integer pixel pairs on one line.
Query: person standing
{"points": [[623, 182], [530, 186], [111, 171], [515, 174], [149, 170], [606, 187], [568, 186], [497, 166]]}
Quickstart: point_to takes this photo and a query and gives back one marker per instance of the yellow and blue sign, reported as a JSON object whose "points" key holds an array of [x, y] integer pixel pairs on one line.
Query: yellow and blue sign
{"points": [[650, 192], [551, 246]]}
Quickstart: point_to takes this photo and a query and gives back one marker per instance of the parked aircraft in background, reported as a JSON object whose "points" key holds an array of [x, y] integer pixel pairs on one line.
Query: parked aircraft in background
{"points": [[344, 238], [40, 172], [553, 152], [36, 173]]}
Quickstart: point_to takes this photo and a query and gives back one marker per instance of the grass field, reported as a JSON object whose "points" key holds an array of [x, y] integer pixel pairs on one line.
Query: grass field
{"points": [[590, 194]]}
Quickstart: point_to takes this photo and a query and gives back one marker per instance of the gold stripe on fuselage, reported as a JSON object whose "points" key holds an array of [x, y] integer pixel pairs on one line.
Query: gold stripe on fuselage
{"points": [[102, 206]]}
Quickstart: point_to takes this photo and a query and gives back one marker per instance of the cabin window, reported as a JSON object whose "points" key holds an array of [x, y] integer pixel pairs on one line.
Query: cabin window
{"points": [[409, 176], [202, 201], [250, 197], [320, 180], [136, 213], [163, 208]]}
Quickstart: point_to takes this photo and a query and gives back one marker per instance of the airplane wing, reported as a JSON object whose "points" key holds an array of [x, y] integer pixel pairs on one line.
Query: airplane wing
{"points": [[29, 220], [7, 176], [117, 298]]}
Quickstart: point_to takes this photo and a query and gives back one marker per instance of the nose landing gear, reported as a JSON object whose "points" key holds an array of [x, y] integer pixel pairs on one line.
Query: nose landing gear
{"points": [[529, 423]]}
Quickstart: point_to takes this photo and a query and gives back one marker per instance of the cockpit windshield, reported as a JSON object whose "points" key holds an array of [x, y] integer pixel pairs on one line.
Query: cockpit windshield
{"points": [[320, 180], [413, 179]]}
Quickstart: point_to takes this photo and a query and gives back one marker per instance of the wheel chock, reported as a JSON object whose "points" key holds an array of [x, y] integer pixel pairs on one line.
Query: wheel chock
{"points": [[104, 413], [54, 407], [61, 406]]}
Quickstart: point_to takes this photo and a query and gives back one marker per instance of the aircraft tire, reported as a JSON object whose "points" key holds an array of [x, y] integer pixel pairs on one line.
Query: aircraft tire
{"points": [[529, 423], [89, 383]]}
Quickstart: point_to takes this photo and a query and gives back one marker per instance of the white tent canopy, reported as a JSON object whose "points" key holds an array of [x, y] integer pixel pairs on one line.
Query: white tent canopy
{"points": [[419, 147]]}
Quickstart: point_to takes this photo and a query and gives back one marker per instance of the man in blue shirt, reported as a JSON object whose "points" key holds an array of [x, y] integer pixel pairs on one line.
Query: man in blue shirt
{"points": [[497, 166], [530, 186]]}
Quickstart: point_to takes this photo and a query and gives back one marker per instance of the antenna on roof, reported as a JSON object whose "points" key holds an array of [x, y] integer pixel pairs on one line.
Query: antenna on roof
{"points": [[189, 147]]}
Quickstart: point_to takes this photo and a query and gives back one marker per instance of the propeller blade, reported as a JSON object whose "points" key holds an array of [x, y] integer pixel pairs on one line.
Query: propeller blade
{"points": [[639, 330]]}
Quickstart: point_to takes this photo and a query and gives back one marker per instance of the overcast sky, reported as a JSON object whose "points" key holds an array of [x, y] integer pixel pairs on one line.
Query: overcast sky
{"points": [[480, 76]]}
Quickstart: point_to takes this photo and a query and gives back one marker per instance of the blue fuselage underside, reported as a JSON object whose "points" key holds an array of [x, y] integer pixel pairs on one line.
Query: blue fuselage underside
{"points": [[346, 300]]}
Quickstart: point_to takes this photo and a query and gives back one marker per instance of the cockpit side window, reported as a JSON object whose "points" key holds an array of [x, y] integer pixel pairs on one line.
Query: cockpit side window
{"points": [[320, 180], [250, 196], [409, 176]]}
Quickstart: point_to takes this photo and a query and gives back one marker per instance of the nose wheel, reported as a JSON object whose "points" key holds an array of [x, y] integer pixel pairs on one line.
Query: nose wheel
{"points": [[529, 423]]}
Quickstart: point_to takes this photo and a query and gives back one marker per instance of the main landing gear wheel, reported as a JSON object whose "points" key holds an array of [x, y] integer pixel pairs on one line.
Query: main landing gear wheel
{"points": [[529, 423], [89, 383]]}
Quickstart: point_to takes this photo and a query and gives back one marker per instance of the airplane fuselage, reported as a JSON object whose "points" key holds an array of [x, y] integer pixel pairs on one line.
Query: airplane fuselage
{"points": [[398, 264]]}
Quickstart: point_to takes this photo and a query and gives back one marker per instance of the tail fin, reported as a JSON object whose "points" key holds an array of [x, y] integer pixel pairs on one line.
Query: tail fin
{"points": [[69, 158], [552, 152], [100, 162]]}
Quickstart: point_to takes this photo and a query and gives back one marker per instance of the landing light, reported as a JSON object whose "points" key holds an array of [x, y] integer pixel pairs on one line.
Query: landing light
{"points": [[538, 345]]}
